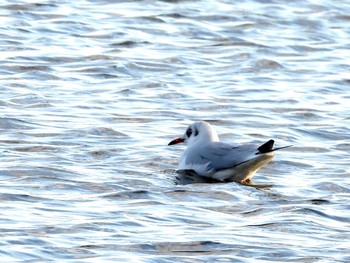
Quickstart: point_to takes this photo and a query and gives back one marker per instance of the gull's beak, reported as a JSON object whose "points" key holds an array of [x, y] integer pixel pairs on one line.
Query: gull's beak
{"points": [[176, 141]]}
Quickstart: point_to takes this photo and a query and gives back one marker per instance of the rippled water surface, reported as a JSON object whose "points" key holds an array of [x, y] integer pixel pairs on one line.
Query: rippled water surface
{"points": [[93, 91]]}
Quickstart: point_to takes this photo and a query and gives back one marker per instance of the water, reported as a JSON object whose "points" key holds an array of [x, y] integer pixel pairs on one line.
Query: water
{"points": [[92, 92]]}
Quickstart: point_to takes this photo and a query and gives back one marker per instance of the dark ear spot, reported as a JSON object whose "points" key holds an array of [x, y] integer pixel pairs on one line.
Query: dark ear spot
{"points": [[195, 132]]}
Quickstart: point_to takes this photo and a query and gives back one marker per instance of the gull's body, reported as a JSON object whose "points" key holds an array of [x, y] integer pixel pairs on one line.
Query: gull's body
{"points": [[207, 156]]}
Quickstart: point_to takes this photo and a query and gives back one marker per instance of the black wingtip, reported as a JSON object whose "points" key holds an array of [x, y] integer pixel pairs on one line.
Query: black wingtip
{"points": [[283, 147], [266, 147]]}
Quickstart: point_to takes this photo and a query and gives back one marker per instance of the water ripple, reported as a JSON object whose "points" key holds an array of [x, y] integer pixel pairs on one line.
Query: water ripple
{"points": [[93, 92]]}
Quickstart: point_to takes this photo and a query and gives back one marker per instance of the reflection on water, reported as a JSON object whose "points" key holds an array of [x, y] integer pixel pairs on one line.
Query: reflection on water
{"points": [[92, 92]]}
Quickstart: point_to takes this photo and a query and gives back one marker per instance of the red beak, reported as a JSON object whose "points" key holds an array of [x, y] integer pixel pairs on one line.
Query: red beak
{"points": [[176, 141]]}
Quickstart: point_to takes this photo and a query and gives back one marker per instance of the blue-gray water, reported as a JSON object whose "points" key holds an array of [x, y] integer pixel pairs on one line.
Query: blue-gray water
{"points": [[92, 92]]}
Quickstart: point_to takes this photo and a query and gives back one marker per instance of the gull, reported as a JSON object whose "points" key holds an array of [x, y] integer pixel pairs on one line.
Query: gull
{"points": [[207, 156]]}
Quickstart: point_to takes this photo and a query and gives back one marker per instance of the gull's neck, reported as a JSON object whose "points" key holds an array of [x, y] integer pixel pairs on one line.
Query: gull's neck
{"points": [[213, 137], [208, 136]]}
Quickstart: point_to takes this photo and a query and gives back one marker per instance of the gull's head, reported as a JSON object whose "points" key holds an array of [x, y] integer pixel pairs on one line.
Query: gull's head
{"points": [[197, 132]]}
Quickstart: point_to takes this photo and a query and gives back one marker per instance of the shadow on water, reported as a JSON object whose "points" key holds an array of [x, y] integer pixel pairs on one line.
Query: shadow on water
{"points": [[185, 177]]}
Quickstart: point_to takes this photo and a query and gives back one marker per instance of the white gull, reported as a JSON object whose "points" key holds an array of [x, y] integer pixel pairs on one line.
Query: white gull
{"points": [[208, 157]]}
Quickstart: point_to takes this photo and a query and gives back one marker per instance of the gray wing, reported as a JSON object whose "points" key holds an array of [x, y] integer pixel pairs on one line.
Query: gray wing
{"points": [[222, 155]]}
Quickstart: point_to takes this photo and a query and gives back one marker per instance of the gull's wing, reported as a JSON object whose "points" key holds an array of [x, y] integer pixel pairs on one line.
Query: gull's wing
{"points": [[223, 156]]}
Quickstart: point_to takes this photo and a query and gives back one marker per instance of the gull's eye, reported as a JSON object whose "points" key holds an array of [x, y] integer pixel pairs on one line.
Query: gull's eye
{"points": [[189, 133]]}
